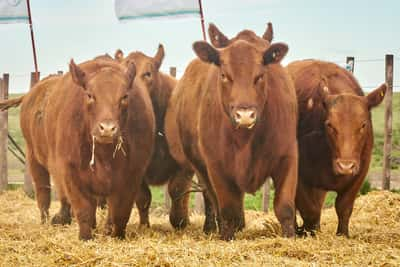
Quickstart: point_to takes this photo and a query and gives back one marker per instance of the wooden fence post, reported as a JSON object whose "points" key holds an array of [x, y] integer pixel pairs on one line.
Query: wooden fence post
{"points": [[4, 134], [266, 195], [350, 64], [167, 199], [28, 186], [387, 146]]}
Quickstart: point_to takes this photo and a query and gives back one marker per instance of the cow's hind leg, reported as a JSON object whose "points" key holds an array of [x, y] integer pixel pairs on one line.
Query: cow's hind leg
{"points": [[285, 182], [178, 189], [143, 203], [309, 202], [41, 179]]}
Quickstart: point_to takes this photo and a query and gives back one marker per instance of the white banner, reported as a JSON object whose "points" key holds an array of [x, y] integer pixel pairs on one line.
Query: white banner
{"points": [[139, 9], [13, 11]]}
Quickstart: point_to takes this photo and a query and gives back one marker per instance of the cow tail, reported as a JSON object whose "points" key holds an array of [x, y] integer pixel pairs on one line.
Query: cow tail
{"points": [[11, 103]]}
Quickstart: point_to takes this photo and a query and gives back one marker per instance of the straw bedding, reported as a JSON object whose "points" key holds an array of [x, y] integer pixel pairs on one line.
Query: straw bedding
{"points": [[374, 230]]}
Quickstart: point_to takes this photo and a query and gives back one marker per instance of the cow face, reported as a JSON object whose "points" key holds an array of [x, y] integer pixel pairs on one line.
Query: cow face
{"points": [[219, 40], [147, 69], [242, 79], [106, 98], [347, 125]]}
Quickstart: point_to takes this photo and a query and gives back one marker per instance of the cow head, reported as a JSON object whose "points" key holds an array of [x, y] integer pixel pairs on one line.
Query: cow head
{"points": [[147, 68], [219, 40], [348, 125], [243, 79], [106, 98]]}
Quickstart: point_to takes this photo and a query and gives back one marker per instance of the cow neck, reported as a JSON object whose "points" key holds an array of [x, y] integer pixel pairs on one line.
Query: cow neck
{"points": [[159, 99]]}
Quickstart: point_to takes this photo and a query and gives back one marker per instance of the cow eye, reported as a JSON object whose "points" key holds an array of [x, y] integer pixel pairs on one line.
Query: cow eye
{"points": [[147, 75], [90, 98], [330, 127], [225, 78], [259, 78], [363, 126], [124, 100]]}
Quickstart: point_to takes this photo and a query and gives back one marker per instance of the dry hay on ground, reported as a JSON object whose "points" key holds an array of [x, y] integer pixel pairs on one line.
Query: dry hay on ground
{"points": [[375, 231]]}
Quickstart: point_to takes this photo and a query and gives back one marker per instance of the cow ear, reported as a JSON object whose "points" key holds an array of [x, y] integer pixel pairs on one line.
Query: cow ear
{"points": [[131, 73], [119, 55], [78, 76], [269, 33], [206, 52], [158, 58], [376, 97], [217, 38], [275, 53]]}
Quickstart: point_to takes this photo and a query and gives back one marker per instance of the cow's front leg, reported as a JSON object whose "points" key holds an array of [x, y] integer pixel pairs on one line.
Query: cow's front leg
{"points": [[230, 202], [285, 182]]}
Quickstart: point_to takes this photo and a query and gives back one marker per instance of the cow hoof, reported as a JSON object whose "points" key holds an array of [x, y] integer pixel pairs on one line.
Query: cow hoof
{"points": [[209, 227], [343, 234], [59, 219], [144, 225], [227, 236], [85, 236], [179, 223]]}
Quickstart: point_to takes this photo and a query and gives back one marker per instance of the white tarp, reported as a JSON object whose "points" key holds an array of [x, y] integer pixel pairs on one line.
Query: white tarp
{"points": [[139, 9], [13, 11]]}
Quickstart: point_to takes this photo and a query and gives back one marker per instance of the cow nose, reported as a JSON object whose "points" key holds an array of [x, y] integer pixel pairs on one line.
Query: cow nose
{"points": [[245, 117], [346, 166], [108, 129]]}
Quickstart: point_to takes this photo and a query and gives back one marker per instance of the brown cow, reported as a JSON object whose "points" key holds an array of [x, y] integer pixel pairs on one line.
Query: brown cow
{"points": [[335, 138], [233, 118], [92, 130], [163, 168], [219, 40]]}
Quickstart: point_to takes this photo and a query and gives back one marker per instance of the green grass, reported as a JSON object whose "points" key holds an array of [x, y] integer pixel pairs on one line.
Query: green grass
{"points": [[254, 202]]}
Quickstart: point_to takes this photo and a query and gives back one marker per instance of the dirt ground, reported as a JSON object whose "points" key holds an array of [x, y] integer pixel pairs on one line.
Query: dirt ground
{"points": [[374, 230]]}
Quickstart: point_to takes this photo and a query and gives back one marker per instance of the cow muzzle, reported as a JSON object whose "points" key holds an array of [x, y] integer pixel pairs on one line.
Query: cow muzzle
{"points": [[346, 167], [244, 117], [107, 132]]}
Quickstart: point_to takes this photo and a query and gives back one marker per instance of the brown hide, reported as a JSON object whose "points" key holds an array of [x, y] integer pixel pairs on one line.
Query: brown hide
{"points": [[335, 138], [219, 40], [162, 168], [230, 159], [60, 115]]}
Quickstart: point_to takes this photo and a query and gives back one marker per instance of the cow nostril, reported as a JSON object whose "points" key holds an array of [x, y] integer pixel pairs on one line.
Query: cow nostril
{"points": [[252, 115], [101, 127], [113, 129], [237, 115]]}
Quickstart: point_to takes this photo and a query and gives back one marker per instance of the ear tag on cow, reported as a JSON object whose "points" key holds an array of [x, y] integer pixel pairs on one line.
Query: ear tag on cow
{"points": [[273, 55], [381, 93], [326, 89]]}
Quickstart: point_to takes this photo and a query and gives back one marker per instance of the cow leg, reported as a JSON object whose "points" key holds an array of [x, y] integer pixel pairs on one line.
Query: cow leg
{"points": [[143, 202], [41, 179], [344, 207], [120, 208], [178, 187], [210, 225], [63, 216], [230, 202], [309, 202], [84, 208], [285, 182]]}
